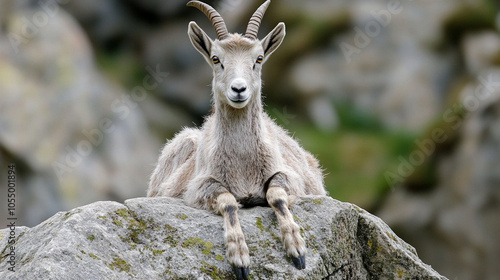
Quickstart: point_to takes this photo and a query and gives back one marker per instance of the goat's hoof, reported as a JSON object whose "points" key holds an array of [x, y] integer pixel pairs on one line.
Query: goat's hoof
{"points": [[300, 262], [241, 272]]}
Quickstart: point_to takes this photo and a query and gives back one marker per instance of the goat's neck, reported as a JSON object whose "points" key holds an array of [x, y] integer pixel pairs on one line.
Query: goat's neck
{"points": [[239, 129]]}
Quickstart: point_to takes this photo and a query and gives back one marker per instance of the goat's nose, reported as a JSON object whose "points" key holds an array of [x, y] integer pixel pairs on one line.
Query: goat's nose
{"points": [[238, 90], [239, 85]]}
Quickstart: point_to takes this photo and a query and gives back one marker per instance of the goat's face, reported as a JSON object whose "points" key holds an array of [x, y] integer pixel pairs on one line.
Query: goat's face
{"points": [[236, 61]]}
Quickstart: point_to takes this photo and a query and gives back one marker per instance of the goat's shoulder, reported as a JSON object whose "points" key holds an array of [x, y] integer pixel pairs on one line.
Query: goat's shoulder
{"points": [[175, 153], [300, 165], [289, 147], [183, 143], [281, 136]]}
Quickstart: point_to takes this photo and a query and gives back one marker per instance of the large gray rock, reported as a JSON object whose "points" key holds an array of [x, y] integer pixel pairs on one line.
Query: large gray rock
{"points": [[161, 238]]}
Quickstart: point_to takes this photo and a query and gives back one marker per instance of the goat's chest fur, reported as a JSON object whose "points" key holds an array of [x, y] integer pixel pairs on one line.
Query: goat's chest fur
{"points": [[242, 156]]}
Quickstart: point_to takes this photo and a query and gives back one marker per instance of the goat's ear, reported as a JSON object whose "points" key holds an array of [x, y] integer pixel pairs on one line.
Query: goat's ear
{"points": [[273, 40], [200, 40]]}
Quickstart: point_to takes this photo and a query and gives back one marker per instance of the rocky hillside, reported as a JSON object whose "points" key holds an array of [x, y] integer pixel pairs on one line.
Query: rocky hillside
{"points": [[161, 238], [462, 206]]}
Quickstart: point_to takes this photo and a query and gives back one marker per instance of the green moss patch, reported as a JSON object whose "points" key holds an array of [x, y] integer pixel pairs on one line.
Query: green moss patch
{"points": [[172, 238], [157, 252], [258, 223], [102, 217], [119, 264], [135, 225], [196, 242], [94, 256], [318, 201], [123, 212], [214, 272], [117, 222], [68, 214], [182, 216], [191, 242], [219, 257]]}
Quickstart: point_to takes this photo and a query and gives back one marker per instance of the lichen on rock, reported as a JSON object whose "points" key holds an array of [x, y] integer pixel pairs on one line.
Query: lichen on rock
{"points": [[145, 238]]}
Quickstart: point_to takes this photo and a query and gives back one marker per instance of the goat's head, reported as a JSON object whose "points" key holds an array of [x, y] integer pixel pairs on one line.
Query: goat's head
{"points": [[235, 59]]}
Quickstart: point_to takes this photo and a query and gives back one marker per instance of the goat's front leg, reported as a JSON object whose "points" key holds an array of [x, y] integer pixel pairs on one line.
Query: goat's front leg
{"points": [[237, 250], [214, 196], [277, 197]]}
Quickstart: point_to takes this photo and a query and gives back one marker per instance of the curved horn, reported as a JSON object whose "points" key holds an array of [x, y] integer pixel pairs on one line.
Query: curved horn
{"points": [[254, 23], [214, 16]]}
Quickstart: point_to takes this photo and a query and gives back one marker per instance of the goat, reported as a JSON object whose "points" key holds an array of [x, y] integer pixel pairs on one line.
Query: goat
{"points": [[239, 156]]}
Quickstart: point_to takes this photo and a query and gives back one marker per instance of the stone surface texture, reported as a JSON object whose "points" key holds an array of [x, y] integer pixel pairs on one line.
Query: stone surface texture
{"points": [[161, 238]]}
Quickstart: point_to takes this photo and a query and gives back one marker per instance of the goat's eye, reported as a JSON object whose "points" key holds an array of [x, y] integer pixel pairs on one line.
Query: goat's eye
{"points": [[215, 59], [259, 59]]}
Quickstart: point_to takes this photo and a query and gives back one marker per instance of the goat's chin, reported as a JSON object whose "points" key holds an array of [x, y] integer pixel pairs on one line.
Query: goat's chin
{"points": [[238, 104]]}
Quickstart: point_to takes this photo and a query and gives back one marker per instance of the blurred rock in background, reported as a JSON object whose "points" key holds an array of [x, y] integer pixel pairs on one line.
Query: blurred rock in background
{"points": [[74, 136], [359, 83], [454, 222]]}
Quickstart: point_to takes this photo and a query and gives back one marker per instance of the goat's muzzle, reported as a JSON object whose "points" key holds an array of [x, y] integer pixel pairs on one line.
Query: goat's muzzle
{"points": [[238, 95]]}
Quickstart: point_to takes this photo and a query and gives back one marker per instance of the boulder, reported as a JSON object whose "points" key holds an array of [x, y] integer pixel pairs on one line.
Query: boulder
{"points": [[162, 238]]}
